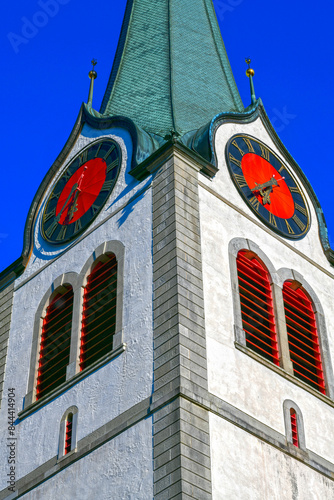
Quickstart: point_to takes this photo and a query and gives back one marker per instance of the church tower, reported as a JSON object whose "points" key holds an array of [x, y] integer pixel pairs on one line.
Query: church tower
{"points": [[168, 331]]}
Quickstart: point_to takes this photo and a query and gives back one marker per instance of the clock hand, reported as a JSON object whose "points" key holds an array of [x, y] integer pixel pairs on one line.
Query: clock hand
{"points": [[266, 189], [74, 187], [73, 206]]}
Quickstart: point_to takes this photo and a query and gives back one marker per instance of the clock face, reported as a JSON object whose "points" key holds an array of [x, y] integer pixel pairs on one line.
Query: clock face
{"points": [[81, 192], [267, 186]]}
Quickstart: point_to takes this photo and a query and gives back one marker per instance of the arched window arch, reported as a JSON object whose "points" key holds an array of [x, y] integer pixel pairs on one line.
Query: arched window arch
{"points": [[99, 310], [68, 432], [54, 347], [303, 336], [294, 424], [257, 308]]}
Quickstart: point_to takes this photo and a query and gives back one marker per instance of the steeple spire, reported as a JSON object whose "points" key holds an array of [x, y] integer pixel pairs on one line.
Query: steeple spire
{"points": [[171, 70]]}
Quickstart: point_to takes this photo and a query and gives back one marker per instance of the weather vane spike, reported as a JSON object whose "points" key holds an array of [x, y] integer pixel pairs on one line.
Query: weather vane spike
{"points": [[250, 73], [92, 75]]}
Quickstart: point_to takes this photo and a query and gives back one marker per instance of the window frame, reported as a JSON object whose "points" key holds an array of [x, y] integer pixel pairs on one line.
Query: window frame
{"points": [[62, 432]]}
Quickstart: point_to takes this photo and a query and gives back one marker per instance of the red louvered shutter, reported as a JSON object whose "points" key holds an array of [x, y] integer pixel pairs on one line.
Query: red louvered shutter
{"points": [[257, 308], [99, 312], [294, 428], [303, 336], [54, 351]]}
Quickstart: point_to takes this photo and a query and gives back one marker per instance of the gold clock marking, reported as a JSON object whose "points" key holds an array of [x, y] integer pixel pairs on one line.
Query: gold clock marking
{"points": [[62, 233], [249, 145], [282, 168], [109, 152], [51, 229], [77, 226], [255, 202], [95, 208], [83, 158], [289, 228], [234, 160], [112, 165], [265, 153], [299, 223], [272, 219], [301, 209], [240, 180], [238, 148], [49, 215], [98, 150], [67, 174], [107, 185], [294, 189]]}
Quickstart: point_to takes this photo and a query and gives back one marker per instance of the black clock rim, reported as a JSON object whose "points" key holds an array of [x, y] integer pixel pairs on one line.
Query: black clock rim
{"points": [[84, 228], [249, 205]]}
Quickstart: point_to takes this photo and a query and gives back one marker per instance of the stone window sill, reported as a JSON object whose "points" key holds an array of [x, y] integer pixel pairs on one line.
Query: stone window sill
{"points": [[280, 371], [36, 405]]}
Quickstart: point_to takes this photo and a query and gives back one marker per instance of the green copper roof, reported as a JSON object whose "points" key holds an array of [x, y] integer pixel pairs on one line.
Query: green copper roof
{"points": [[171, 70]]}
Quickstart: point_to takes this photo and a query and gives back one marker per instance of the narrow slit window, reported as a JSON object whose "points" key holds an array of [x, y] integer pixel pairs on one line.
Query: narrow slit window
{"points": [[303, 336], [54, 351], [257, 308], [99, 312], [294, 428], [68, 433]]}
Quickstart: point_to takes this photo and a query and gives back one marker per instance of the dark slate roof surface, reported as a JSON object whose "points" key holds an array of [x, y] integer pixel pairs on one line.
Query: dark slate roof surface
{"points": [[171, 70]]}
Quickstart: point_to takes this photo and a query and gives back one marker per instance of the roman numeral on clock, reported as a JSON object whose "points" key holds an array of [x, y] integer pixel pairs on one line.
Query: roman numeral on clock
{"points": [[265, 153], [62, 233], [235, 144], [234, 160], [83, 158], [107, 185], [249, 145], [240, 180], [255, 203], [281, 168], [289, 228], [299, 223], [294, 189], [94, 209], [77, 226], [51, 229], [272, 219], [98, 150], [49, 215], [109, 152], [67, 174], [301, 209], [112, 165]]}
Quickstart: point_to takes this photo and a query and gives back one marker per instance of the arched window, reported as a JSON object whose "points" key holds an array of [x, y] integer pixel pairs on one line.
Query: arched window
{"points": [[294, 427], [303, 336], [68, 433], [99, 311], [55, 341], [257, 308]]}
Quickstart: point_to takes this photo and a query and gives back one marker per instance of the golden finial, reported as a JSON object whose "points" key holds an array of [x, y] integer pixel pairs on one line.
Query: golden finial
{"points": [[92, 73], [250, 71]]}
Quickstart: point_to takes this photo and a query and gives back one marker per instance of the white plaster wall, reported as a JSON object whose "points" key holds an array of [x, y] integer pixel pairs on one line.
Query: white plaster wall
{"points": [[122, 469], [121, 383], [232, 375], [246, 468]]}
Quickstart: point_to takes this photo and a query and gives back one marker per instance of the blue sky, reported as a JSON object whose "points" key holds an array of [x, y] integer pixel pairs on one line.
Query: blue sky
{"points": [[44, 81]]}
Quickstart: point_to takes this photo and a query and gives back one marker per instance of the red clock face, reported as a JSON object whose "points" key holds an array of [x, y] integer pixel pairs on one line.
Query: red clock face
{"points": [[267, 186], [258, 171], [81, 191]]}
